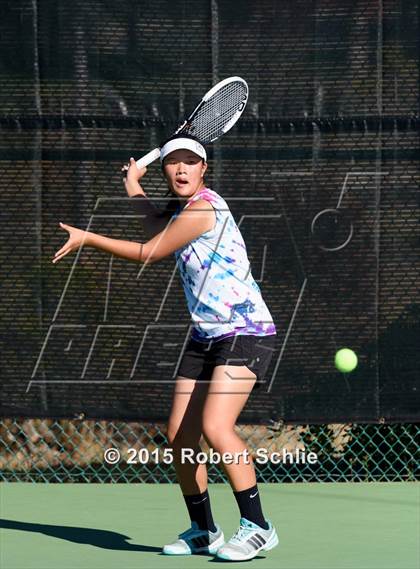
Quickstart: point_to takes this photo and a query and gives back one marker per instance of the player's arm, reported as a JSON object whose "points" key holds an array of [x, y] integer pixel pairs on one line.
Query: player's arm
{"points": [[152, 218], [198, 218], [190, 224]]}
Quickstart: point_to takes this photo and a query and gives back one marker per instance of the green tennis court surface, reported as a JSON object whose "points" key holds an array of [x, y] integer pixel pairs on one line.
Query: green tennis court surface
{"points": [[113, 526]]}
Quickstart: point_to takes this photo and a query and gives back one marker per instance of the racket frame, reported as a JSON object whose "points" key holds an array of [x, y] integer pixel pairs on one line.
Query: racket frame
{"points": [[155, 153]]}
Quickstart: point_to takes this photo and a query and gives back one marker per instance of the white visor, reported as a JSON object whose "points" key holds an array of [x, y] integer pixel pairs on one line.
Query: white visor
{"points": [[184, 144]]}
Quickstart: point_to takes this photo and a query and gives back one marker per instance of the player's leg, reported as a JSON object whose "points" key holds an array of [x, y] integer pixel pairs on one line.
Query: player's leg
{"points": [[184, 432], [238, 363], [228, 392]]}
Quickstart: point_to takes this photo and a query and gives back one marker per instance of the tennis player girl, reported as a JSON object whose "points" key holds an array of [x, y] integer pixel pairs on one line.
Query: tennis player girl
{"points": [[229, 350]]}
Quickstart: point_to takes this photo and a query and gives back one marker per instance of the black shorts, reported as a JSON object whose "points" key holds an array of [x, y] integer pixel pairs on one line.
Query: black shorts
{"points": [[200, 358]]}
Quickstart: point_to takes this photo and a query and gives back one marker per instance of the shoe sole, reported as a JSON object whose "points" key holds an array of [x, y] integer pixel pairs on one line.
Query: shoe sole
{"points": [[271, 544], [212, 550]]}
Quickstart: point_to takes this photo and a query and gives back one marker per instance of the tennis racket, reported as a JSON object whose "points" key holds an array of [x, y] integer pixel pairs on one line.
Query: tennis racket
{"points": [[215, 114]]}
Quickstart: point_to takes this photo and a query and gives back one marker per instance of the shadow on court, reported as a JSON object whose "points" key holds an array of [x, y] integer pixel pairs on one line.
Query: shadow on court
{"points": [[98, 538]]}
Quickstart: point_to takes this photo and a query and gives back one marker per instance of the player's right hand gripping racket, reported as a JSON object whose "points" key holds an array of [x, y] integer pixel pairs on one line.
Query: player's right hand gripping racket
{"points": [[216, 113]]}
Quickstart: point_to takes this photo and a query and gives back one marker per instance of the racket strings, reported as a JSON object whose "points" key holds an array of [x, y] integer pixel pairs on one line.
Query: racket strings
{"points": [[213, 116]]}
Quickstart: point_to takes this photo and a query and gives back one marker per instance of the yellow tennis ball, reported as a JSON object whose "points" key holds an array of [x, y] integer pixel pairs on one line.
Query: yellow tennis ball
{"points": [[345, 360]]}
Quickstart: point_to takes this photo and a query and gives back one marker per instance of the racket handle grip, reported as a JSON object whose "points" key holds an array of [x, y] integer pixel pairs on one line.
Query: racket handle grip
{"points": [[148, 158]]}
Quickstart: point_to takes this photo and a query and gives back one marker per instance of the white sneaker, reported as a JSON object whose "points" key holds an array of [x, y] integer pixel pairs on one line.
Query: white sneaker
{"points": [[195, 540], [248, 541]]}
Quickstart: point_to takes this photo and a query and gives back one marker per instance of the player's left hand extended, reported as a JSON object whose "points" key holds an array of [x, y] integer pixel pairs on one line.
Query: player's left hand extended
{"points": [[76, 238]]}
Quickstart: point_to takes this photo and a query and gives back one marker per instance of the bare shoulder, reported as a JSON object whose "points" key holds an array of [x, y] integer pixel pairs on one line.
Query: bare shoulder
{"points": [[201, 204], [207, 217]]}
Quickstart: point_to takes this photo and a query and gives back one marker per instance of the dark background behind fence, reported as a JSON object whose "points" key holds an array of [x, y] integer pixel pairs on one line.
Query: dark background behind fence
{"points": [[332, 123]]}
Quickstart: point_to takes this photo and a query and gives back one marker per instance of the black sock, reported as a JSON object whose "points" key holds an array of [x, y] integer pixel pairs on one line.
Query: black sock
{"points": [[199, 510], [250, 506]]}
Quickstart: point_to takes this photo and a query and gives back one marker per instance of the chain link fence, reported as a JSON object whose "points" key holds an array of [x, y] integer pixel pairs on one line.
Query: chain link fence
{"points": [[48, 450]]}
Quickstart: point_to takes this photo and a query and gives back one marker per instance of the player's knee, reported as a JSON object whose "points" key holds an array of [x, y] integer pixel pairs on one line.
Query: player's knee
{"points": [[215, 432]]}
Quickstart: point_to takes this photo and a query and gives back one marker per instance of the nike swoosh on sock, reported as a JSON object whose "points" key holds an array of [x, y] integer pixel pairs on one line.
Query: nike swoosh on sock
{"points": [[205, 498]]}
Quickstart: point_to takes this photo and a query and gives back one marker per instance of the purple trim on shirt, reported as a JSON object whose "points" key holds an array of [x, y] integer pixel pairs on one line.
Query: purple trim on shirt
{"points": [[228, 335]]}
